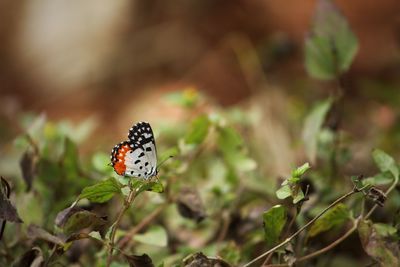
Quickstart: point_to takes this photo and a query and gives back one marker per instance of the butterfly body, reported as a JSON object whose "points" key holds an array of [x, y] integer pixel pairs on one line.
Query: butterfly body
{"points": [[136, 157]]}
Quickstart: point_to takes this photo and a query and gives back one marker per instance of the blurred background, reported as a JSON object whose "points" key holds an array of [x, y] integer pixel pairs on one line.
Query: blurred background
{"points": [[88, 70], [112, 61]]}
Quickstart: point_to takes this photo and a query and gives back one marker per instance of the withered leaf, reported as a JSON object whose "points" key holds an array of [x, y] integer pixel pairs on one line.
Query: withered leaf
{"points": [[200, 260], [84, 219], [64, 215], [377, 196], [28, 164], [7, 210], [190, 204], [139, 261], [31, 258], [383, 250]]}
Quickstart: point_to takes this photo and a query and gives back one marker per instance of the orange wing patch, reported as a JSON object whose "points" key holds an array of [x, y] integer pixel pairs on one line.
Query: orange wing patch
{"points": [[118, 158]]}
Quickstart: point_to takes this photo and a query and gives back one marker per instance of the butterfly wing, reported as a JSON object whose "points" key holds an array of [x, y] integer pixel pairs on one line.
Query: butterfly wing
{"points": [[142, 135], [136, 157]]}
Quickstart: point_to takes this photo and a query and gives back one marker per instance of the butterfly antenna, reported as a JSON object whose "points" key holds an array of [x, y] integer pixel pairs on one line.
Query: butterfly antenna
{"points": [[162, 162]]}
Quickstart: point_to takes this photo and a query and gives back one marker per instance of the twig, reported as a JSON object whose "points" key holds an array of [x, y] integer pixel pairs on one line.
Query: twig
{"points": [[322, 250], [147, 220], [287, 240], [128, 201], [347, 234]]}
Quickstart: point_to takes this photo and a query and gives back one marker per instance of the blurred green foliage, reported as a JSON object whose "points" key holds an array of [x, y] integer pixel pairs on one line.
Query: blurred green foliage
{"points": [[211, 203]]}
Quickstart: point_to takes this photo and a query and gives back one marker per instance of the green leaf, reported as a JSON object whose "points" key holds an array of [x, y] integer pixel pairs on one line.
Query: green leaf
{"points": [[198, 130], [312, 127], [332, 218], [331, 46], [274, 220], [284, 192], [385, 251], [298, 172], [382, 178], [298, 196], [385, 162], [155, 236], [102, 191], [385, 230]]}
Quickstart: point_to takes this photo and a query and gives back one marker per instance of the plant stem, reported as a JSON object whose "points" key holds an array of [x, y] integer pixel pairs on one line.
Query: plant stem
{"points": [[347, 234], [287, 240], [128, 201]]}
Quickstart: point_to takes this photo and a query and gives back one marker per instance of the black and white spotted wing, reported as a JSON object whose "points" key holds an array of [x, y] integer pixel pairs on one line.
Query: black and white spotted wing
{"points": [[142, 161]]}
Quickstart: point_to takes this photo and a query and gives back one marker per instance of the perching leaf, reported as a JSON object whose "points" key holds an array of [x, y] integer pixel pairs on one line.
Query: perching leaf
{"points": [[102, 191], [142, 185], [385, 162], [198, 130], [332, 218], [312, 127], [139, 261], [331, 45], [155, 236], [383, 250], [274, 220]]}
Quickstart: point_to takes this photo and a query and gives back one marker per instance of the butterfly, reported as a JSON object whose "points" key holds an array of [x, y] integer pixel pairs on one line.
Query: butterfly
{"points": [[137, 156]]}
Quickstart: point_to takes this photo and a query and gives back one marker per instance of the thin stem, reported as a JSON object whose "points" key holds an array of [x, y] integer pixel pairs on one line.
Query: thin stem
{"points": [[322, 250], [128, 201], [287, 240], [347, 234]]}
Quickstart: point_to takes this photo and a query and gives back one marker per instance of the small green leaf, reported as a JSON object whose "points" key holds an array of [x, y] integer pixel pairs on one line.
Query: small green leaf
{"points": [[385, 162], [382, 178], [331, 46], [312, 127], [301, 170], [385, 230], [274, 220], [298, 196], [155, 236], [332, 218], [284, 192], [385, 251], [102, 191], [357, 182], [198, 130]]}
